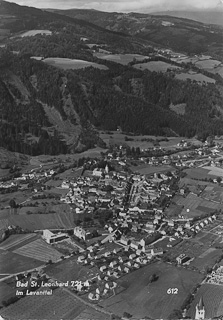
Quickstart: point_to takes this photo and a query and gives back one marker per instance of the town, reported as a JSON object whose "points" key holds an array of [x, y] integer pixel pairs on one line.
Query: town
{"points": [[125, 216]]}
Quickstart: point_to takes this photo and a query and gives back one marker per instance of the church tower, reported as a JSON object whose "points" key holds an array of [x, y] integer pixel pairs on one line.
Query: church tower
{"points": [[200, 311]]}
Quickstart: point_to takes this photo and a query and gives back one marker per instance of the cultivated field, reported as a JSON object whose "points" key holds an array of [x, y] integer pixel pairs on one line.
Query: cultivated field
{"points": [[39, 250], [115, 137], [31, 33], [120, 58], [148, 169], [64, 63], [196, 205], [195, 77], [158, 66], [208, 64], [17, 240], [213, 193], [40, 221], [11, 263], [214, 171], [199, 173], [56, 306], [213, 301], [143, 299]]}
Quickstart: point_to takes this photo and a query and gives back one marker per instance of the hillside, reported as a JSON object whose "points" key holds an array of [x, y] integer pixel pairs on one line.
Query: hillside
{"points": [[175, 33], [94, 79], [205, 16]]}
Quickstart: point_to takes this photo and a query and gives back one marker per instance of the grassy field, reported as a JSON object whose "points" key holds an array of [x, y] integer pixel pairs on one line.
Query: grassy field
{"points": [[195, 77], [64, 63], [213, 301], [178, 108], [41, 221], [6, 292], [120, 58], [199, 173], [31, 33], [214, 171], [213, 192], [70, 270], [208, 64], [17, 240], [11, 263], [148, 169], [158, 66], [115, 137], [39, 250], [196, 205], [206, 259], [143, 299], [55, 306]]}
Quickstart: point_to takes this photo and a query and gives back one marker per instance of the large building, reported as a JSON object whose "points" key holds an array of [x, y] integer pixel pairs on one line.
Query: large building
{"points": [[51, 237]]}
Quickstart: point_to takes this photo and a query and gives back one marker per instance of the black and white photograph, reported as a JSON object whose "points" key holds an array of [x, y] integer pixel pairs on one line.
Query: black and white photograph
{"points": [[111, 160]]}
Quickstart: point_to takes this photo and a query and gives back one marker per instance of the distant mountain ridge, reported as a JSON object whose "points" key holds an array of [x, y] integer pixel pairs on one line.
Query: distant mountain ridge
{"points": [[205, 16]]}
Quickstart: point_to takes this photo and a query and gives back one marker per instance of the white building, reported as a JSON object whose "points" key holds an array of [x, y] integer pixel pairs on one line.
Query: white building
{"points": [[51, 237]]}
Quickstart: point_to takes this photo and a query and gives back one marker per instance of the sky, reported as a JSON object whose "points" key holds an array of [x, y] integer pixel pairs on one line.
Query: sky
{"points": [[122, 5]]}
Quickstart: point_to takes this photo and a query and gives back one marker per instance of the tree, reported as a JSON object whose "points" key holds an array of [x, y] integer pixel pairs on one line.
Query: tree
{"points": [[175, 314], [219, 179], [127, 315], [153, 278]]}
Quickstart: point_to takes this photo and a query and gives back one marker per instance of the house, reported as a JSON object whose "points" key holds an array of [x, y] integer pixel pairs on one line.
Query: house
{"points": [[103, 268], [93, 297], [156, 251], [182, 258], [132, 256], [81, 233], [113, 264], [126, 270], [125, 240]]}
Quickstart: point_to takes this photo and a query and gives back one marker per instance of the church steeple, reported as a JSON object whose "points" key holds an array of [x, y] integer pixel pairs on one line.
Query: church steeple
{"points": [[200, 310], [201, 304]]}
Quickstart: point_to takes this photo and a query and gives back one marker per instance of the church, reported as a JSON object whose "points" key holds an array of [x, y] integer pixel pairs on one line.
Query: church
{"points": [[200, 310]]}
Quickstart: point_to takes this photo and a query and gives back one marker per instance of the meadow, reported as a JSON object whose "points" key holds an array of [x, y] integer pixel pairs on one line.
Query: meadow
{"points": [[157, 66], [65, 63], [194, 77], [64, 220], [147, 169], [140, 298], [121, 58], [70, 270], [55, 306], [214, 171], [208, 64], [32, 33], [196, 205], [200, 173], [11, 263], [143, 141]]}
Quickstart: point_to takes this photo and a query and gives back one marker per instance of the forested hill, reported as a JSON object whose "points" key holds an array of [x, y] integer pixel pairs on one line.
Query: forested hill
{"points": [[53, 109], [46, 110], [180, 34]]}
